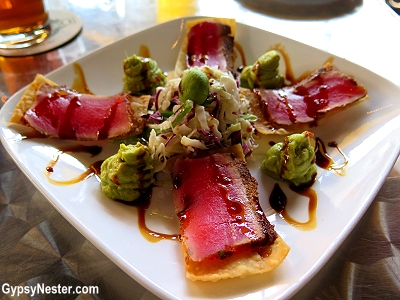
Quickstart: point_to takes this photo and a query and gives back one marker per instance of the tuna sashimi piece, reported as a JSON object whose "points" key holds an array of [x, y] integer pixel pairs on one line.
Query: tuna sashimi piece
{"points": [[216, 201], [211, 44], [311, 98], [63, 113], [207, 42]]}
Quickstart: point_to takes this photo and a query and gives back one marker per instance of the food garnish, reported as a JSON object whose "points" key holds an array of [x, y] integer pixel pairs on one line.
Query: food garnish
{"points": [[185, 126], [194, 86], [142, 75], [128, 174], [264, 73], [292, 160]]}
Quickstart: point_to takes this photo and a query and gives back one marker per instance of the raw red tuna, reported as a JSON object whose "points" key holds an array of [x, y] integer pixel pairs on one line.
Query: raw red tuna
{"points": [[216, 200], [311, 98], [63, 113], [210, 43]]}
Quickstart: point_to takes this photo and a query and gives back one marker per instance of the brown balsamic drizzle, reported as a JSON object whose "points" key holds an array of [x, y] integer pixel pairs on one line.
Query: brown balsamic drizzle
{"points": [[150, 235], [306, 191], [312, 211], [93, 169], [314, 104], [92, 150], [278, 199], [324, 161], [80, 84], [278, 202]]}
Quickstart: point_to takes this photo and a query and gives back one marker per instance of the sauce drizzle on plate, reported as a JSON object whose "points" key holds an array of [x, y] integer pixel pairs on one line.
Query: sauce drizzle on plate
{"points": [[149, 234], [278, 199], [93, 169]]}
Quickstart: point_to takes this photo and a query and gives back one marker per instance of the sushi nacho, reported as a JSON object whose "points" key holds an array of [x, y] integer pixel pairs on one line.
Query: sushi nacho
{"points": [[199, 125]]}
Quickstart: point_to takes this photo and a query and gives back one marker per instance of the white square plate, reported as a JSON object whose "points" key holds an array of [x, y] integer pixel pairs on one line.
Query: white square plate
{"points": [[367, 132]]}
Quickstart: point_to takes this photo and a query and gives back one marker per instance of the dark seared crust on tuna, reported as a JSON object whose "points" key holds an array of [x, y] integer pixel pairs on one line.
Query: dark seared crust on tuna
{"points": [[263, 124], [227, 48], [252, 197]]}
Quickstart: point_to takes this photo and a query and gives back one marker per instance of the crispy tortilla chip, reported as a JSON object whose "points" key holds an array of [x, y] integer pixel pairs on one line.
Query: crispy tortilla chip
{"points": [[28, 98], [238, 266]]}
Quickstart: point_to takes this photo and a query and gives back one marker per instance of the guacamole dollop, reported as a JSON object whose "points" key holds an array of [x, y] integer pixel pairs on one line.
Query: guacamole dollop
{"points": [[292, 160], [128, 174], [194, 86], [142, 76], [264, 73]]}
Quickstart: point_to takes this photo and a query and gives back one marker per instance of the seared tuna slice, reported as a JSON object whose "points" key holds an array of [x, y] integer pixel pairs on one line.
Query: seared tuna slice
{"points": [[210, 44], [207, 42], [63, 113], [221, 221], [311, 98]]}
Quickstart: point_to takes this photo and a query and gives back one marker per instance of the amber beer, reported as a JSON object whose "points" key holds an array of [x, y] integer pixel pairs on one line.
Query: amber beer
{"points": [[18, 16]]}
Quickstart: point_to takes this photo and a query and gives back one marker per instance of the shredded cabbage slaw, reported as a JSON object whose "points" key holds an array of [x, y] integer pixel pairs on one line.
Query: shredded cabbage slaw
{"points": [[183, 127]]}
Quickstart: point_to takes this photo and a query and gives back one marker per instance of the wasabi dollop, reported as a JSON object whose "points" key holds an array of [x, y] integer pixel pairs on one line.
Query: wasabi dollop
{"points": [[264, 73], [194, 86], [292, 160], [142, 75], [128, 174]]}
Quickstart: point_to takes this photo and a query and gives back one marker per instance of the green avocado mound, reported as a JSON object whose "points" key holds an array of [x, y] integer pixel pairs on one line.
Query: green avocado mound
{"points": [[292, 160], [194, 86], [142, 76], [264, 73], [128, 174]]}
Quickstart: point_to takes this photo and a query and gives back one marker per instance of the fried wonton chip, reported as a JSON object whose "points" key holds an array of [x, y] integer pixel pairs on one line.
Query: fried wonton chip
{"points": [[28, 98]]}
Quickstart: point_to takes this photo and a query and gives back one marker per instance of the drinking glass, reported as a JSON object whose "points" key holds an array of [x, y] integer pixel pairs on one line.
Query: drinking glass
{"points": [[23, 23]]}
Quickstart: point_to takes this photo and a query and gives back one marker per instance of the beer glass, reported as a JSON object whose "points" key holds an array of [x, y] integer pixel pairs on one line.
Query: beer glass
{"points": [[23, 23]]}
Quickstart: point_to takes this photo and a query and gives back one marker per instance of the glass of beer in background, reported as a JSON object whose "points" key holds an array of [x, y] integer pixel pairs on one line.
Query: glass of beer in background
{"points": [[23, 23]]}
